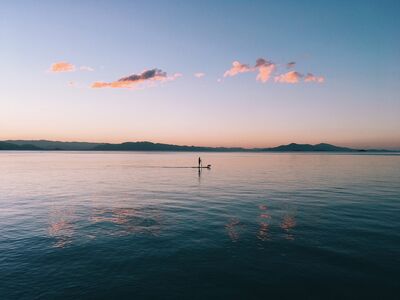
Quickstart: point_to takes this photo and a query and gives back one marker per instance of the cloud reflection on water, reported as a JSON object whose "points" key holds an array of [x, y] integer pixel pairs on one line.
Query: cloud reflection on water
{"points": [[263, 231], [64, 223], [127, 220], [266, 226], [288, 223], [233, 230], [61, 226]]}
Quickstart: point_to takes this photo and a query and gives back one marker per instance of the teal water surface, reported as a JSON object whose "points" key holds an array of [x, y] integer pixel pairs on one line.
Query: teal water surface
{"points": [[93, 225]]}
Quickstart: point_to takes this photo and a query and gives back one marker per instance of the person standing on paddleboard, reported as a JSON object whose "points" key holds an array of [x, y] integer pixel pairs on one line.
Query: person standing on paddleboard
{"points": [[199, 162]]}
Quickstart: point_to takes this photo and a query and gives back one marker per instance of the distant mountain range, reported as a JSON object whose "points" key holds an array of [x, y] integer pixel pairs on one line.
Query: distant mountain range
{"points": [[44, 145], [51, 145], [293, 147], [12, 146]]}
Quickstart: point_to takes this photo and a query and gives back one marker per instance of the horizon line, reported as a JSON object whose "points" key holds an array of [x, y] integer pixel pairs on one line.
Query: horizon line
{"points": [[188, 145]]}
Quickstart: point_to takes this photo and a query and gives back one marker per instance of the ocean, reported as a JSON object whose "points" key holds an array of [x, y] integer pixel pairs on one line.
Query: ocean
{"points": [[144, 225]]}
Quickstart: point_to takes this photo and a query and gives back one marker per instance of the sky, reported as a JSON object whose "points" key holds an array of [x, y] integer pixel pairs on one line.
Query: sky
{"points": [[207, 73]]}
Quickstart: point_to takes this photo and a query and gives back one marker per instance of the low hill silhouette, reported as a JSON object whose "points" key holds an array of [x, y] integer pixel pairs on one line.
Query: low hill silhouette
{"points": [[149, 146], [11, 146], [309, 148]]}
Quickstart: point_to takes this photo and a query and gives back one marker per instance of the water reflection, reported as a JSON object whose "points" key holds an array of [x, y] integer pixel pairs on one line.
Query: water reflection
{"points": [[113, 215], [61, 226], [263, 231], [199, 174], [288, 223], [127, 220], [233, 229], [64, 224]]}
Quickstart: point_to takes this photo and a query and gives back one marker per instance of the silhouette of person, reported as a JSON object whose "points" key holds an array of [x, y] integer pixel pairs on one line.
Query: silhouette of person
{"points": [[199, 162]]}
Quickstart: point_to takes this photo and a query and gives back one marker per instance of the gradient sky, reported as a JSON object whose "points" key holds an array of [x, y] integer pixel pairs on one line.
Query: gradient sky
{"points": [[354, 46]]}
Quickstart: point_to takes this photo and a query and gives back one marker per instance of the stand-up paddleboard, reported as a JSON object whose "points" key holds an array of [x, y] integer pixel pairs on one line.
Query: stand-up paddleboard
{"points": [[177, 167], [206, 167]]}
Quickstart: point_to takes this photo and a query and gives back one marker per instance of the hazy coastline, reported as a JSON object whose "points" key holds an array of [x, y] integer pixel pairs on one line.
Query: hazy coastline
{"points": [[45, 145]]}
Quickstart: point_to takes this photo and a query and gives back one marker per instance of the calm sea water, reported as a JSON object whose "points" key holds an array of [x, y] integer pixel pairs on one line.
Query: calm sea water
{"points": [[135, 225]]}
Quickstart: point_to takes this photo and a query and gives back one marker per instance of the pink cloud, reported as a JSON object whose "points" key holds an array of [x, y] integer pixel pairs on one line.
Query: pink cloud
{"points": [[311, 78], [289, 77], [264, 72], [199, 74], [62, 66], [149, 77], [265, 69], [237, 68]]}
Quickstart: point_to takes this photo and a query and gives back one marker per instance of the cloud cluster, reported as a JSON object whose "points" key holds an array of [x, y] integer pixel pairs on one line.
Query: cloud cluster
{"points": [[295, 77], [62, 66], [132, 81], [237, 68], [289, 77], [311, 78], [266, 69]]}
